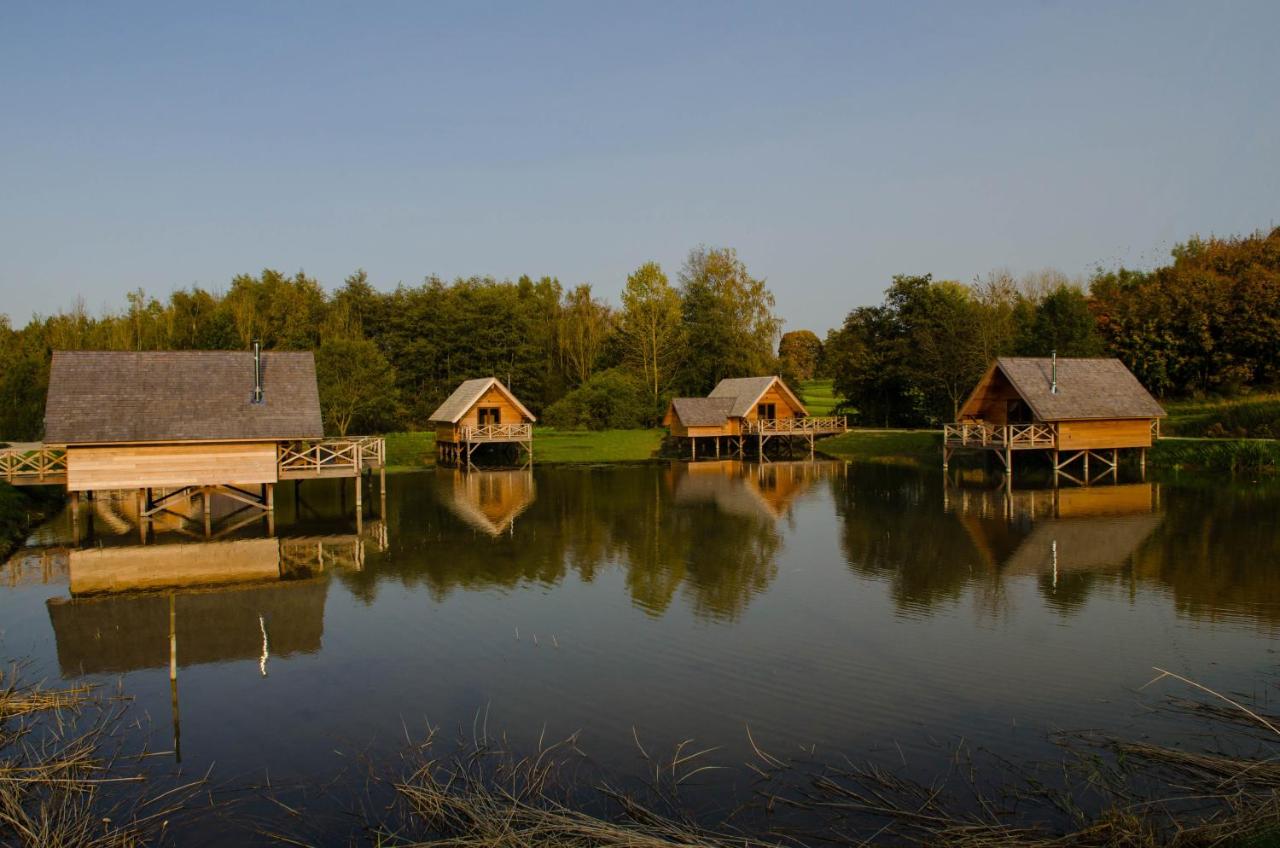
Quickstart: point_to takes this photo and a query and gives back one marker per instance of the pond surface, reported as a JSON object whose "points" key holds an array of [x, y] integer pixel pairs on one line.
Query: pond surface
{"points": [[873, 612]]}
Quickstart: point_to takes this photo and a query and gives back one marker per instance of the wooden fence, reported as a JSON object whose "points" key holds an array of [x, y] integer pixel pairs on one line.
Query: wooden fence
{"points": [[999, 436], [806, 426], [496, 433]]}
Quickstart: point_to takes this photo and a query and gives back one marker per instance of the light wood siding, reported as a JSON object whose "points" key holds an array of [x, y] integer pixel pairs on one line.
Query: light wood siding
{"points": [[171, 566], [1104, 434], [780, 401], [510, 413], [170, 466], [990, 402]]}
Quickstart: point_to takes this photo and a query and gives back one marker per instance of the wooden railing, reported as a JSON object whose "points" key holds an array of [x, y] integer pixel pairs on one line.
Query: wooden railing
{"points": [[496, 433], [329, 457], [33, 463], [999, 436], [796, 426]]}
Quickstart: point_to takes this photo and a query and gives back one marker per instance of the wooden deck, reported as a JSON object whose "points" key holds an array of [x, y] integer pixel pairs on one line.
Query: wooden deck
{"points": [[37, 464], [800, 426], [33, 464], [460, 445], [496, 433], [999, 437]]}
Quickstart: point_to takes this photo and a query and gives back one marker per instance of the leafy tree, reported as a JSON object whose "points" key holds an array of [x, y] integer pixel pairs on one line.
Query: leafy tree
{"points": [[584, 325], [357, 385], [650, 331], [610, 400], [729, 324], [1063, 322], [800, 351]]}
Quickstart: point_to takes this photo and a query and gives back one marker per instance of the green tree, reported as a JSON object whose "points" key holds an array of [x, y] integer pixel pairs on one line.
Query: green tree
{"points": [[729, 324], [582, 329], [649, 330], [357, 385], [800, 351], [1063, 322]]}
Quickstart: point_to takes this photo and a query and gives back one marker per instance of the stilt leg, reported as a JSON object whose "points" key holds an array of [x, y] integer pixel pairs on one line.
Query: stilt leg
{"points": [[173, 678], [271, 497]]}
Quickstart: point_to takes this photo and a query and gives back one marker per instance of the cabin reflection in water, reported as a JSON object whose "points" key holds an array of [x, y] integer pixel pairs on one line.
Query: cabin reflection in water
{"points": [[489, 501], [1058, 531], [751, 489]]}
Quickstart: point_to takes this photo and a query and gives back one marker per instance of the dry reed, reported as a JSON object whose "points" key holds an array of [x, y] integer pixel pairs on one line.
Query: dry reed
{"points": [[63, 779]]}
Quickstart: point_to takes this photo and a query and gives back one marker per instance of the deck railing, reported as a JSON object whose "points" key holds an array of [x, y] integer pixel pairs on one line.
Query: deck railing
{"points": [[33, 463], [330, 457], [979, 434], [496, 433], [805, 426]]}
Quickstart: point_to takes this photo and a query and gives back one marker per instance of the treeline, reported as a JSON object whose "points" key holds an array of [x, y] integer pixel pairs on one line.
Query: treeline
{"points": [[385, 360], [1208, 323]]}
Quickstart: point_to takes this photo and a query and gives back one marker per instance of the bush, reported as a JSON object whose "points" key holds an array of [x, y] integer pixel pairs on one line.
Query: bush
{"points": [[610, 400]]}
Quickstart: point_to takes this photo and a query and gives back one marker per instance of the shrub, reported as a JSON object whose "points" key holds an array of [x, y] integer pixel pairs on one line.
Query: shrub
{"points": [[610, 400]]}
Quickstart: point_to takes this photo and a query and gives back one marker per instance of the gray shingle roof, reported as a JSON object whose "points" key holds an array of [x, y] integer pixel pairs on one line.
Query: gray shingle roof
{"points": [[1087, 388], [465, 396], [175, 396], [702, 412], [745, 391]]}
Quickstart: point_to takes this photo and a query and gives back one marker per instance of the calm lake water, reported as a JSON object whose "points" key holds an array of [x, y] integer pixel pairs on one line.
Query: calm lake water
{"points": [[872, 612]]}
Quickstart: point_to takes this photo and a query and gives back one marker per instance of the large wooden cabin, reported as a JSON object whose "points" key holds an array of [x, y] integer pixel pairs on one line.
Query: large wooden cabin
{"points": [[481, 412], [741, 407], [1074, 409], [173, 424]]}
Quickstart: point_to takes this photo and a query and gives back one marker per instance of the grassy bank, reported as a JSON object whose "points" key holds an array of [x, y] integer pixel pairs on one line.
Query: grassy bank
{"points": [[1232, 455], [407, 451], [895, 447], [1254, 416]]}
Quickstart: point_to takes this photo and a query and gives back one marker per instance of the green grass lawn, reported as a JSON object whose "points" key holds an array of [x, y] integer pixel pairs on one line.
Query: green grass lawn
{"points": [[550, 445], [819, 396], [410, 450], [896, 447], [417, 449]]}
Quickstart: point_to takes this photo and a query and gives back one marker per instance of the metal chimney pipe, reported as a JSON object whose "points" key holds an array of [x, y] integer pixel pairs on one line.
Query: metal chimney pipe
{"points": [[257, 371], [1053, 389]]}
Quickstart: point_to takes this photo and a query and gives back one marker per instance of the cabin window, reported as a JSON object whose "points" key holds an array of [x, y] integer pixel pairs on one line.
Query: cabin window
{"points": [[1016, 412], [767, 411], [490, 416]]}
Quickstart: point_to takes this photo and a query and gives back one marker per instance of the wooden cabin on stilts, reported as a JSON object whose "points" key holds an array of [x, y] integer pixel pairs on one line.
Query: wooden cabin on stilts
{"points": [[744, 412], [478, 414], [175, 425], [1074, 410]]}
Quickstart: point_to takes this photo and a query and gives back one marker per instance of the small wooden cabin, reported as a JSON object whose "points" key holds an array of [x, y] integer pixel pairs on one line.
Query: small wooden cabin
{"points": [[745, 406], [1086, 408], [481, 412]]}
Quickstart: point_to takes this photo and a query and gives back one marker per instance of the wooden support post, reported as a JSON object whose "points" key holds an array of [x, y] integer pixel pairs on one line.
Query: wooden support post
{"points": [[1008, 462], [694, 448], [717, 447], [1142, 462], [173, 677], [382, 477], [271, 497], [204, 499], [359, 495], [1086, 467]]}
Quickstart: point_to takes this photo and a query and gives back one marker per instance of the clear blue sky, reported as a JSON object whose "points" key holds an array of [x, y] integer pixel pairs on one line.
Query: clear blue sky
{"points": [[163, 145]]}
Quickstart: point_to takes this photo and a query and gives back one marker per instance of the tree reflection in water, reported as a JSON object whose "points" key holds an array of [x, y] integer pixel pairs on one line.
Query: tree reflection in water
{"points": [[707, 530]]}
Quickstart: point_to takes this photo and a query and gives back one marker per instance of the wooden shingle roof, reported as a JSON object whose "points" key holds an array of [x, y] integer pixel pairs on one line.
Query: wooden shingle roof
{"points": [[702, 412], [1087, 388], [100, 397], [745, 391], [467, 395]]}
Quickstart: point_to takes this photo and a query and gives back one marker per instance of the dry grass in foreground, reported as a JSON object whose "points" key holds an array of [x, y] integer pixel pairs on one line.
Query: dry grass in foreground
{"points": [[1105, 792], [63, 781]]}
